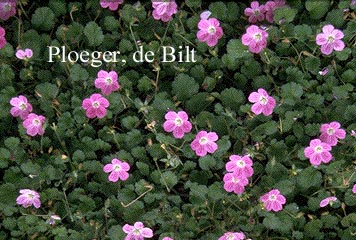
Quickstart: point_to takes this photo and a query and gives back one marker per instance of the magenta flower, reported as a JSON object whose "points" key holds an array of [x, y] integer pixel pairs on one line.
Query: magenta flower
{"points": [[205, 15], [232, 236], [324, 71], [177, 123], [270, 6], [241, 165], [204, 143], [28, 197], [24, 54], [113, 5], [209, 31], [233, 182], [354, 189], [118, 170], [326, 201], [21, 107], [95, 106], [164, 10], [262, 102], [107, 82], [255, 38], [137, 232], [318, 152], [167, 238], [255, 13], [34, 124], [331, 132], [330, 39], [273, 200], [2, 37], [7, 9], [280, 3]]}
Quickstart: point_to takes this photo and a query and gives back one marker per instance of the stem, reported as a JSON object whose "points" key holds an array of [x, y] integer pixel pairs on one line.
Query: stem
{"points": [[135, 200], [67, 206]]}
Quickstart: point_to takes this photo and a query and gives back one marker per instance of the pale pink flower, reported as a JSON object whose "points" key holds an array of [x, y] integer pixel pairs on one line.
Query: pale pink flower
{"points": [[354, 189], [255, 13], [205, 15], [270, 6], [255, 38], [24, 54], [233, 182], [113, 5], [34, 124], [167, 238], [330, 39], [28, 198], [7, 9], [209, 31], [327, 201], [177, 123], [241, 165], [318, 152], [232, 236], [95, 106], [21, 107], [2, 37], [137, 232], [324, 71], [53, 218], [204, 143], [353, 133], [118, 170], [107, 82], [273, 200], [262, 102], [280, 3], [331, 132], [164, 10]]}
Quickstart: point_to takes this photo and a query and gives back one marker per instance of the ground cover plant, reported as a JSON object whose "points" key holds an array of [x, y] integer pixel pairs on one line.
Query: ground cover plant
{"points": [[177, 119]]}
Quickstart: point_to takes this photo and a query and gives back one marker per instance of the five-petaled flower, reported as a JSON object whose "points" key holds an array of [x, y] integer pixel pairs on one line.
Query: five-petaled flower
{"points": [[241, 165], [273, 200], [21, 107], [164, 10], [24, 54], [232, 236], [263, 103], [2, 37], [107, 82], [137, 232], [7, 9], [209, 31], [34, 124], [28, 198], [330, 39], [255, 13], [118, 170], [95, 106], [354, 189], [331, 132], [177, 123], [204, 143], [255, 38], [233, 182], [113, 5], [327, 201], [318, 152]]}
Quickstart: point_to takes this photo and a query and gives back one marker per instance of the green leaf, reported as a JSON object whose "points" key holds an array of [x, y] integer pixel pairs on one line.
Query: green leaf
{"points": [[336, 18], [30, 168], [236, 49], [94, 34], [111, 23], [47, 91], [143, 168], [309, 177], [344, 54], [218, 10], [169, 178], [58, 7], [312, 64], [285, 13], [317, 8], [184, 87], [78, 73], [7, 75], [291, 92], [43, 19], [193, 3], [232, 98], [312, 229], [207, 162], [302, 32]]}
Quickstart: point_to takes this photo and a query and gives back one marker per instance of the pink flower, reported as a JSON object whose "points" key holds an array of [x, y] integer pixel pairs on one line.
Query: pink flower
{"points": [[34, 124], [118, 170], [326, 201], [53, 218], [241, 165], [318, 152], [331, 132], [255, 13], [354, 189], [24, 54], [255, 38], [21, 107], [232, 236], [137, 232], [107, 82], [233, 182], [28, 197], [7, 9], [167, 238], [270, 6], [2, 37], [205, 15], [280, 3], [164, 10], [273, 200], [353, 133], [329, 39], [209, 31], [177, 123], [263, 103], [95, 106], [204, 143], [324, 71], [113, 5]]}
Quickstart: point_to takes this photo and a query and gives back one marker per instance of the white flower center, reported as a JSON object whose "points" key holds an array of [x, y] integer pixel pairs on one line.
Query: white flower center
{"points": [[22, 106], [117, 167], [178, 121], [211, 30], [263, 100], [7, 7], [330, 39], [231, 237], [108, 81], [235, 180], [256, 12], [241, 163], [95, 104], [203, 140], [330, 131], [257, 36], [136, 232], [36, 122], [318, 149], [272, 197], [30, 196]]}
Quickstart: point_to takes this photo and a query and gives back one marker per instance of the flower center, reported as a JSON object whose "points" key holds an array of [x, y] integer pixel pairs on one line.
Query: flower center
{"points": [[108, 81], [137, 232], [30, 196], [7, 7], [256, 12], [95, 104], [203, 140], [272, 197], [22, 106], [36, 122], [241, 163], [318, 149], [235, 180], [330, 131], [117, 168], [211, 30], [263, 100], [257, 36], [178, 121], [330, 39], [231, 236]]}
